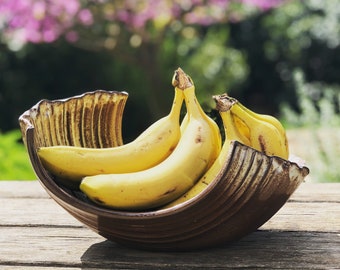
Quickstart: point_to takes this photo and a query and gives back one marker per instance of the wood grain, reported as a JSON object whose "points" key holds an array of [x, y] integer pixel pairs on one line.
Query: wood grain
{"points": [[36, 233]]}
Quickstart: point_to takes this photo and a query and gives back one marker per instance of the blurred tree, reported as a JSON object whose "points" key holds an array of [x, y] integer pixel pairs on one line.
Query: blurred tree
{"points": [[299, 34], [153, 36]]}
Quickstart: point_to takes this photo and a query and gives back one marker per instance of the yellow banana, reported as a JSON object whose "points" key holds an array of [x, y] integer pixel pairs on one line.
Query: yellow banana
{"points": [[150, 148], [267, 118], [198, 147], [184, 122], [223, 105], [264, 133], [242, 127]]}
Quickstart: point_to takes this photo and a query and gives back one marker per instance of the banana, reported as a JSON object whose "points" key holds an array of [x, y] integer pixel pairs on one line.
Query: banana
{"points": [[150, 148], [184, 122], [267, 118], [264, 132], [198, 147], [223, 105]]}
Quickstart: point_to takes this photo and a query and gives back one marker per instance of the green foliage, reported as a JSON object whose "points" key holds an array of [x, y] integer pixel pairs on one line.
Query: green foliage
{"points": [[318, 105], [316, 128], [14, 158], [300, 23], [298, 34], [214, 66]]}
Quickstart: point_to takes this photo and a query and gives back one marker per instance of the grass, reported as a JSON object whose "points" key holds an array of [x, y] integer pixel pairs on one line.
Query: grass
{"points": [[314, 131], [320, 149], [15, 164]]}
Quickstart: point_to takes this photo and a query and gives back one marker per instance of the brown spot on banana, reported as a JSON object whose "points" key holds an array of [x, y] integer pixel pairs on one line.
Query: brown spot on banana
{"points": [[172, 148], [169, 191], [198, 139]]}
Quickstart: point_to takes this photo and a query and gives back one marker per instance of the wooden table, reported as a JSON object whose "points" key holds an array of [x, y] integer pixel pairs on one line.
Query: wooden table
{"points": [[36, 233]]}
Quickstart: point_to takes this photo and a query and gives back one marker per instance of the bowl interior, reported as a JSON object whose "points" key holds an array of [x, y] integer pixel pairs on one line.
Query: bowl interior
{"points": [[93, 119]]}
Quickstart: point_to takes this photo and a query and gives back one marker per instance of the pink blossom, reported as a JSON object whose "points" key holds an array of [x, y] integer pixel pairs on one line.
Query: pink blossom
{"points": [[264, 4], [136, 14], [72, 36], [85, 17], [42, 20], [46, 20], [213, 12]]}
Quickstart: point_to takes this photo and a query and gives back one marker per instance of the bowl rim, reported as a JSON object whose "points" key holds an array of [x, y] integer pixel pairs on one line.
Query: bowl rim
{"points": [[25, 119]]}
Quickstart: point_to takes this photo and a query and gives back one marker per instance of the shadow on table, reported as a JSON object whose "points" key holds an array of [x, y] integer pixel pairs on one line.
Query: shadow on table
{"points": [[264, 249]]}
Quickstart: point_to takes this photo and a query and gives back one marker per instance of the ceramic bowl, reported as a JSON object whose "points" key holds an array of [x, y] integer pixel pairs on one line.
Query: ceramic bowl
{"points": [[249, 190]]}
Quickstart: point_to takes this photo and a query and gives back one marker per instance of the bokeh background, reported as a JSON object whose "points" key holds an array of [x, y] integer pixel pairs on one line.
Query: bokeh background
{"points": [[278, 57]]}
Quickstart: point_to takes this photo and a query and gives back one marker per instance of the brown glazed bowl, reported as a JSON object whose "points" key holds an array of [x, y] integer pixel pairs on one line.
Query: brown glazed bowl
{"points": [[250, 189]]}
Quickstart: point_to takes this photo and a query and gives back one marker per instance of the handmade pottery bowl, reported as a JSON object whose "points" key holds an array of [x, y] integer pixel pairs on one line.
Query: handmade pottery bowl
{"points": [[249, 190]]}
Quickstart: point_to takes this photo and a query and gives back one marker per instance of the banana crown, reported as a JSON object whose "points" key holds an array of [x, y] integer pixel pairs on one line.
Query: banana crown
{"points": [[224, 102], [181, 80]]}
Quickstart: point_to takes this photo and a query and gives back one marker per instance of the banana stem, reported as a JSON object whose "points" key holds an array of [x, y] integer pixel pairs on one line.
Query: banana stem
{"points": [[224, 103], [176, 104], [182, 81], [193, 107]]}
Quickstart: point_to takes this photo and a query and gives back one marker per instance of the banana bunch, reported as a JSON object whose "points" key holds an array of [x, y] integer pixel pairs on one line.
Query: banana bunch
{"points": [[231, 134], [264, 132], [261, 132], [170, 162], [197, 149]]}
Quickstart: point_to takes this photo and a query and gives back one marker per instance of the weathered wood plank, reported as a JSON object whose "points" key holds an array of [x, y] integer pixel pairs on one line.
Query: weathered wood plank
{"points": [[34, 212], [323, 192], [295, 215], [307, 216], [30, 267], [36, 233], [317, 192], [22, 189], [78, 247], [310, 216], [265, 250], [44, 246]]}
